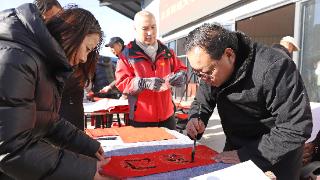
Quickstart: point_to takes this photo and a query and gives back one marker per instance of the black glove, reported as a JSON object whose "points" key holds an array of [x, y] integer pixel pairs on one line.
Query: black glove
{"points": [[178, 79], [151, 83]]}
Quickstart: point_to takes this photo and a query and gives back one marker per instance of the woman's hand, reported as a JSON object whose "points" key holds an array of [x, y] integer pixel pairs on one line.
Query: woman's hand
{"points": [[308, 152], [100, 154], [100, 164]]}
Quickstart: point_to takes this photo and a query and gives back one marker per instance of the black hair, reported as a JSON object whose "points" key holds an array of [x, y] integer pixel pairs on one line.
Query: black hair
{"points": [[45, 5], [213, 38]]}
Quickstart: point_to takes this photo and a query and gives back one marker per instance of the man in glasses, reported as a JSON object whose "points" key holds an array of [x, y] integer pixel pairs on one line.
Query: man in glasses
{"points": [[260, 96]]}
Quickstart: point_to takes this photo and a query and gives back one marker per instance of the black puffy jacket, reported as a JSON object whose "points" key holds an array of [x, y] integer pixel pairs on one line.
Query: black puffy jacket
{"points": [[34, 142], [71, 107]]}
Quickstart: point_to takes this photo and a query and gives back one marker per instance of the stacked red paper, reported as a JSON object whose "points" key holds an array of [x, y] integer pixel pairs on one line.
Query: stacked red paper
{"points": [[99, 132], [131, 134]]}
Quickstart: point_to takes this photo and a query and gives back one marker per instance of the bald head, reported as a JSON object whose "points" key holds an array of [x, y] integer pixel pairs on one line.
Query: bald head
{"points": [[145, 27], [142, 15]]}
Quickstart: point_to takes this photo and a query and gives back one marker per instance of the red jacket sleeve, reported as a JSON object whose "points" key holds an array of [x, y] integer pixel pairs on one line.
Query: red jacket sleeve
{"points": [[124, 75], [177, 63]]}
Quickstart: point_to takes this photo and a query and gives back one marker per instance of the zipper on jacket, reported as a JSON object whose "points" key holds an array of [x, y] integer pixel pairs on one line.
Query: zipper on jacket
{"points": [[153, 66], [161, 53]]}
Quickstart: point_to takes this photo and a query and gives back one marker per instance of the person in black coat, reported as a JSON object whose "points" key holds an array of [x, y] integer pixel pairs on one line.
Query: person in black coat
{"points": [[48, 8], [104, 79], [35, 60], [287, 45], [104, 76], [261, 99], [71, 107], [116, 45]]}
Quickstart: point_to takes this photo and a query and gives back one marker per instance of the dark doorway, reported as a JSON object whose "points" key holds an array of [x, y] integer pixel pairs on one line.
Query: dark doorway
{"points": [[269, 27]]}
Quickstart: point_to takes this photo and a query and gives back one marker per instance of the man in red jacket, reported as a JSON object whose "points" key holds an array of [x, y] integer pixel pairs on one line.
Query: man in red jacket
{"points": [[145, 72]]}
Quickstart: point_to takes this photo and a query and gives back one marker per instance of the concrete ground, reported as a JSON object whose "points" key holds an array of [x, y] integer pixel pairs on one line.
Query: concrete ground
{"points": [[214, 136]]}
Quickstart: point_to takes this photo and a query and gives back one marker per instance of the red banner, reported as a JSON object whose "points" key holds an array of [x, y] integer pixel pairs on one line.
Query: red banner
{"points": [[157, 162]]}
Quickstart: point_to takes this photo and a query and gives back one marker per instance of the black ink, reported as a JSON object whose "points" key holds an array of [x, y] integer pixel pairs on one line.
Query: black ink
{"points": [[176, 158], [138, 164]]}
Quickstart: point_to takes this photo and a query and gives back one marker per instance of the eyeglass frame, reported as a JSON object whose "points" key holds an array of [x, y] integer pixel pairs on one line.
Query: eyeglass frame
{"points": [[205, 75]]}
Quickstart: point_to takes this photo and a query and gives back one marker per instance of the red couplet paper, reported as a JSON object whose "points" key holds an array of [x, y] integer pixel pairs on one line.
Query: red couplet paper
{"points": [[157, 162], [131, 134], [99, 132], [118, 109]]}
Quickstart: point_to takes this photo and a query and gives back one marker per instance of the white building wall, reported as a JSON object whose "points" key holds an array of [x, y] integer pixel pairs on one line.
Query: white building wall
{"points": [[227, 18], [230, 17]]}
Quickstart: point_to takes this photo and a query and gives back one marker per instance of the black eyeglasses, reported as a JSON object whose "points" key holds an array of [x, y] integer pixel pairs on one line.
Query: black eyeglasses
{"points": [[197, 73], [207, 74]]}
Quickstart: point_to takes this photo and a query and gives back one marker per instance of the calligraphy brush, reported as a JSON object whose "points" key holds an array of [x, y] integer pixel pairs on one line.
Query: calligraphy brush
{"points": [[193, 153], [193, 149]]}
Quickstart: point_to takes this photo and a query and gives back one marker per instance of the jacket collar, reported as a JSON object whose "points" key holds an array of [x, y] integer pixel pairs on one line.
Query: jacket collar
{"points": [[244, 59], [282, 49], [24, 25], [134, 51], [244, 55]]}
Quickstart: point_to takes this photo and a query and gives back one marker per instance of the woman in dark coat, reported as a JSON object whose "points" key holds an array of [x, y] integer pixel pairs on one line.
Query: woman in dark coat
{"points": [[35, 59]]}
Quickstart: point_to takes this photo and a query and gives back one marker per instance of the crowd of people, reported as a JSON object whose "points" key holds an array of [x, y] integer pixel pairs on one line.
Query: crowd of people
{"points": [[49, 55]]}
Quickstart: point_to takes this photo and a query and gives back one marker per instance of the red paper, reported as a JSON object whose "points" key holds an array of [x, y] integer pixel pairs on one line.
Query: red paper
{"points": [[131, 134], [118, 109], [157, 162], [95, 133]]}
